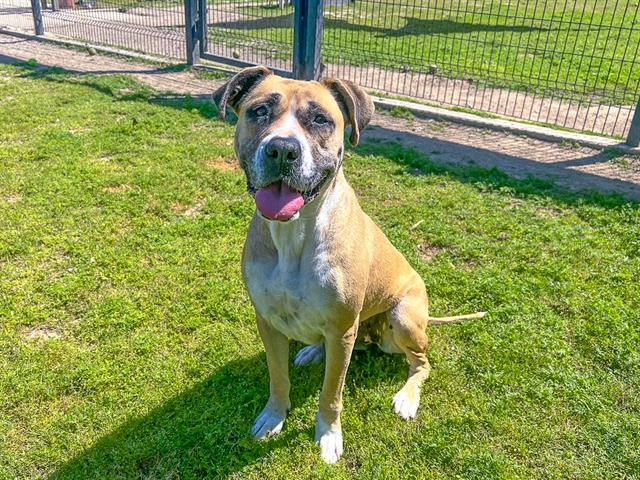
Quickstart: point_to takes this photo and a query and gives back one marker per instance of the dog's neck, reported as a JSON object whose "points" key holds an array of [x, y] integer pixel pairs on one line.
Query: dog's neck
{"points": [[290, 238]]}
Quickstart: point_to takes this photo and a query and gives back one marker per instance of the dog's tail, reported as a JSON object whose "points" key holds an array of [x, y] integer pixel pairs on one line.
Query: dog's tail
{"points": [[456, 319]]}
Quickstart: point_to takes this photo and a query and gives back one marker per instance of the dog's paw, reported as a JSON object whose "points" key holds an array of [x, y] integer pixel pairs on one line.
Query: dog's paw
{"points": [[405, 403], [330, 441], [267, 424], [309, 354]]}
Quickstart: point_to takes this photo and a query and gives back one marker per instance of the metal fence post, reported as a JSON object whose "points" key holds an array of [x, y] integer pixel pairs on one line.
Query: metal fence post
{"points": [[191, 31], [633, 139], [307, 39], [202, 25], [36, 10]]}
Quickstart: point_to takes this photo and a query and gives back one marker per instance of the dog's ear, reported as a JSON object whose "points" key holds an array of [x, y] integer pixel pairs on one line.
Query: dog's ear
{"points": [[232, 92], [356, 105]]}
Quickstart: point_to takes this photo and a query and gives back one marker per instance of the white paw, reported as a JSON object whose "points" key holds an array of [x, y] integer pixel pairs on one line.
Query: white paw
{"points": [[267, 424], [330, 441], [309, 354], [406, 405]]}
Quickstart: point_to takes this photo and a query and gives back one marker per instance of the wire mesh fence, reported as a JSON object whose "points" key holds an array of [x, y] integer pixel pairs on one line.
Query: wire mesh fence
{"points": [[146, 26], [16, 15], [572, 64], [255, 31]]}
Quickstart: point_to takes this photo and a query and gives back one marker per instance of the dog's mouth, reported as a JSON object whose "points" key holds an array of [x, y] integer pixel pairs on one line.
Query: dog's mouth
{"points": [[279, 201]]}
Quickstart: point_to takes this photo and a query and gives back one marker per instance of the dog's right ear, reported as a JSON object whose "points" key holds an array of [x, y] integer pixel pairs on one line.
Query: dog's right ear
{"points": [[232, 92]]}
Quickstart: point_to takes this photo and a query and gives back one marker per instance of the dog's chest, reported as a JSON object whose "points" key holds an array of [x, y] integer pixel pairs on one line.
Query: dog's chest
{"points": [[294, 291], [297, 308]]}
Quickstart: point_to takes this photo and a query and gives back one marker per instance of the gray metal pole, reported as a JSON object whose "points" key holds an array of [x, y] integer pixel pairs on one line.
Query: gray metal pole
{"points": [[307, 39], [36, 10], [191, 31], [202, 24], [633, 140]]}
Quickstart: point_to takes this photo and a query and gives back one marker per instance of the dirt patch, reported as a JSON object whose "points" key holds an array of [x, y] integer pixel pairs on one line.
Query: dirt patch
{"points": [[470, 264], [427, 252], [12, 198], [187, 210], [548, 211], [223, 164], [115, 189], [42, 333]]}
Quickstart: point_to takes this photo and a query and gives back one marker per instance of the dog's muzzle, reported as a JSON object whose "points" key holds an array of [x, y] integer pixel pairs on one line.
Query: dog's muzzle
{"points": [[285, 177]]}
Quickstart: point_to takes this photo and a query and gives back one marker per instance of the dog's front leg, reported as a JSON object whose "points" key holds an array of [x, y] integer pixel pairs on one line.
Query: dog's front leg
{"points": [[276, 346], [338, 347]]}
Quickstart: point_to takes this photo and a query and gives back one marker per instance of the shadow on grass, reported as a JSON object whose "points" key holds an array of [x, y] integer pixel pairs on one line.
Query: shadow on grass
{"points": [[491, 169], [589, 188], [204, 431], [412, 26], [121, 90]]}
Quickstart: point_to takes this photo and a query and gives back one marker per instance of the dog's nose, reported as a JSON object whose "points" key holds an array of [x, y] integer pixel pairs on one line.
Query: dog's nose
{"points": [[282, 151]]}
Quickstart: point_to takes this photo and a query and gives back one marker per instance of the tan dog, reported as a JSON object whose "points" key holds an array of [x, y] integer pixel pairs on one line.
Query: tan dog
{"points": [[317, 269]]}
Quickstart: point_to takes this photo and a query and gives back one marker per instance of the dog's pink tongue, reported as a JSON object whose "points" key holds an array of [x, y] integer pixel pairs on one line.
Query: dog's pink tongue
{"points": [[278, 201]]}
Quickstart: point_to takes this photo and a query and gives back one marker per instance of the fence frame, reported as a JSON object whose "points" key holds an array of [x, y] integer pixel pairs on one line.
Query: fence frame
{"points": [[192, 20], [36, 11], [633, 139], [307, 38], [201, 32]]}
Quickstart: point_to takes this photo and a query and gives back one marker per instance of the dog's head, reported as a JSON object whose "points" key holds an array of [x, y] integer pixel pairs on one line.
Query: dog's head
{"points": [[290, 134]]}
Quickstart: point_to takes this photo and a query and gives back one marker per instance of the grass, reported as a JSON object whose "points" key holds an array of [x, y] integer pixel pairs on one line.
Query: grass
{"points": [[582, 49], [128, 347]]}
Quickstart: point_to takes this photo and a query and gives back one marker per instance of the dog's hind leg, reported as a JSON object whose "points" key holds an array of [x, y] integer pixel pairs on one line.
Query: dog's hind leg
{"points": [[408, 321], [309, 354]]}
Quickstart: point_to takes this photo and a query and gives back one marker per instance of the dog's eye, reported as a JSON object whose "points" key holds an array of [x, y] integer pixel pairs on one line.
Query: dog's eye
{"points": [[320, 119], [261, 111]]}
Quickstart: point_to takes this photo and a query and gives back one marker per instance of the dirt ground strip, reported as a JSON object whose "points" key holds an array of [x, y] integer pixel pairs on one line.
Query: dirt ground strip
{"points": [[571, 166]]}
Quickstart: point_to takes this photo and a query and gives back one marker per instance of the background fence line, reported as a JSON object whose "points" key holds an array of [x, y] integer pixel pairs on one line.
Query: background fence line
{"points": [[568, 64]]}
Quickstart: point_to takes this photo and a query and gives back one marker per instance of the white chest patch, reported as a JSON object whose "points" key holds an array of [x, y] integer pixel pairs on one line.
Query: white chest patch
{"points": [[295, 291]]}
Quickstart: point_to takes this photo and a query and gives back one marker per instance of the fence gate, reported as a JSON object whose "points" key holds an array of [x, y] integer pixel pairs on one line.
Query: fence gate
{"points": [[281, 34], [243, 33]]}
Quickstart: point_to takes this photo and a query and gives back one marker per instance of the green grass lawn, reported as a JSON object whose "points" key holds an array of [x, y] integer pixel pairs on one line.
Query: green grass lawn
{"points": [[128, 347], [587, 49]]}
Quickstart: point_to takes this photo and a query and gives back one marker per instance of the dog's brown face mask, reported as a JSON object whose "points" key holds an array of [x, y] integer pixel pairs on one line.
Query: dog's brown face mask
{"points": [[289, 136]]}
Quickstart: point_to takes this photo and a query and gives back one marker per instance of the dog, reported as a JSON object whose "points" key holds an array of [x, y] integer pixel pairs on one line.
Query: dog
{"points": [[316, 267]]}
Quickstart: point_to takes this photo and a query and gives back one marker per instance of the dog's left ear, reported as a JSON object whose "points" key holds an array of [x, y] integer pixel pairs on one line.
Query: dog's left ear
{"points": [[356, 105], [232, 92]]}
